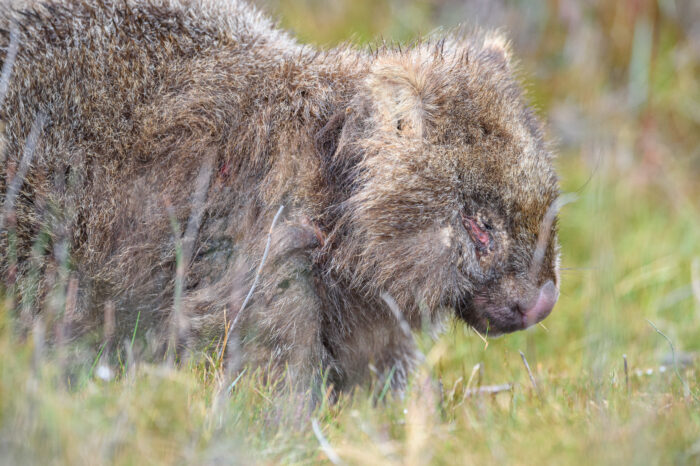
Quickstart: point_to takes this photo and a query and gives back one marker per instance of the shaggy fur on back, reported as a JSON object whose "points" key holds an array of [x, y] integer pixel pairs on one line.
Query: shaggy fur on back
{"points": [[175, 129]]}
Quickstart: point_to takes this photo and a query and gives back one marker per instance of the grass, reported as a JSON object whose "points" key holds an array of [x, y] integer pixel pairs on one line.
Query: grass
{"points": [[630, 289], [630, 264]]}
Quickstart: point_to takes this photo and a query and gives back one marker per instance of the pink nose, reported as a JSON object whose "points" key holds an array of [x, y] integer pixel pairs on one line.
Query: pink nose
{"points": [[543, 305]]}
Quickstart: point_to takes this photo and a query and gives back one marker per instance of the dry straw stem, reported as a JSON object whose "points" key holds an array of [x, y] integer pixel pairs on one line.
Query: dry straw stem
{"points": [[475, 370], [8, 64], [489, 390], [179, 282], [398, 315], [695, 278], [184, 246], [197, 210], [529, 372], [686, 387], [325, 446], [232, 325], [18, 178], [545, 230]]}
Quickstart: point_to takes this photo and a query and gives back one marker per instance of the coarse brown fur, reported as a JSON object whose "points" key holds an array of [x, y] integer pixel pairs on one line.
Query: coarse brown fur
{"points": [[176, 128]]}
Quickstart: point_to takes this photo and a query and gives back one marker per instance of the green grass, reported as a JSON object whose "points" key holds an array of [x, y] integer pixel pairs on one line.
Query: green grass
{"points": [[631, 258], [631, 253]]}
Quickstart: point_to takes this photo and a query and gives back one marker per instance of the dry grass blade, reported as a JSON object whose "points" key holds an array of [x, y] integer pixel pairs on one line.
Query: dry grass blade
{"points": [[489, 390], [684, 383], [545, 231], [529, 372], [18, 179], [184, 247], [695, 278], [398, 315], [8, 64], [325, 446], [260, 267], [233, 323], [475, 370], [197, 209], [175, 320]]}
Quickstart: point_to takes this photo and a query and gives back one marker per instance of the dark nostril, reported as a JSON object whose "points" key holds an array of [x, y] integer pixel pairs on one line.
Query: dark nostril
{"points": [[518, 308]]}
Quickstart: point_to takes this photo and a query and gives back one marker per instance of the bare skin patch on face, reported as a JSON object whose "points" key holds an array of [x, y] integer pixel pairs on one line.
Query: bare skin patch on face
{"points": [[446, 235]]}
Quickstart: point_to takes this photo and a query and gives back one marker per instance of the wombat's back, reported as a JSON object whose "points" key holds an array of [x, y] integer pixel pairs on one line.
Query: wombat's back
{"points": [[130, 97]]}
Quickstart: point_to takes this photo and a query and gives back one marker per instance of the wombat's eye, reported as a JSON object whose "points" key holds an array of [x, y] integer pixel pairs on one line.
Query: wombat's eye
{"points": [[478, 233]]}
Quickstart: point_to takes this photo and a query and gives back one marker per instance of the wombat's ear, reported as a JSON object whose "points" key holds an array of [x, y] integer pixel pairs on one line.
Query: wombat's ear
{"points": [[405, 93], [497, 47]]}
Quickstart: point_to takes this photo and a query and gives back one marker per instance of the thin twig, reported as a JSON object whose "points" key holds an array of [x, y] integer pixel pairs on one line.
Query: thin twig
{"points": [[529, 372], [686, 387], [627, 377]]}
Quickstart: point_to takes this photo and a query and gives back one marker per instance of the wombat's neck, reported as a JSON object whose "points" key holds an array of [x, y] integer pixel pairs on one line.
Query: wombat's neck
{"points": [[278, 118]]}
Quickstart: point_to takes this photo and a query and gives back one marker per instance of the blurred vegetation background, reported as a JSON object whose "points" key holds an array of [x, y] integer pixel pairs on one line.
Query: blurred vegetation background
{"points": [[623, 74], [618, 83]]}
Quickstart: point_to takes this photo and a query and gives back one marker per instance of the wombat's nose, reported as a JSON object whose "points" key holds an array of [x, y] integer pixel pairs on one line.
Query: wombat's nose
{"points": [[542, 306]]}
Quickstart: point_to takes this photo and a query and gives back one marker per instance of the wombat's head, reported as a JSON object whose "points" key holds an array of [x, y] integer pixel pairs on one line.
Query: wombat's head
{"points": [[445, 188]]}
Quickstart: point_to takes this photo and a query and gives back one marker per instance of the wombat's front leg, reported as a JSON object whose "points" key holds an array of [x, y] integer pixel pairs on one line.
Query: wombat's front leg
{"points": [[281, 328], [381, 351]]}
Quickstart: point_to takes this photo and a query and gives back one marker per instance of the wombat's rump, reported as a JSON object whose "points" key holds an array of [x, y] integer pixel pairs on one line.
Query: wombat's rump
{"points": [[172, 132]]}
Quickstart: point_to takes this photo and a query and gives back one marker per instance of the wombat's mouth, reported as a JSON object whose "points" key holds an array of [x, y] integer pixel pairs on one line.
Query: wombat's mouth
{"points": [[495, 318]]}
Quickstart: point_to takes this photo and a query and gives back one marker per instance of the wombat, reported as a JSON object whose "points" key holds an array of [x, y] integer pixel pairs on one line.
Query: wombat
{"points": [[416, 184]]}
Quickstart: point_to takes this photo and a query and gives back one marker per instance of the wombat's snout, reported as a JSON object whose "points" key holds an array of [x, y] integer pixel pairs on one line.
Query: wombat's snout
{"points": [[536, 310]]}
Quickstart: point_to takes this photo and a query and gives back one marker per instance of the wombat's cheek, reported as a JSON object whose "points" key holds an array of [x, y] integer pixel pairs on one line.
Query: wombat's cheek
{"points": [[468, 311]]}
